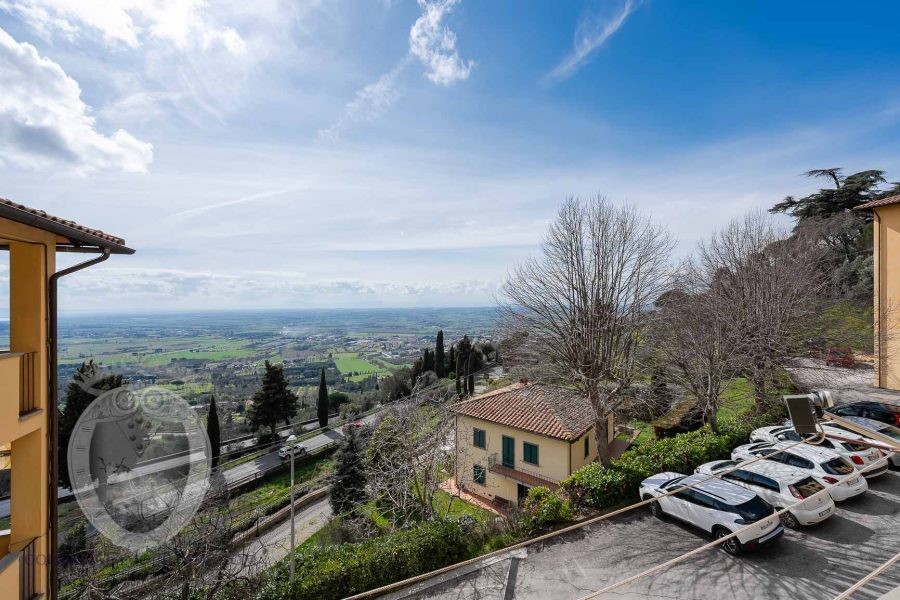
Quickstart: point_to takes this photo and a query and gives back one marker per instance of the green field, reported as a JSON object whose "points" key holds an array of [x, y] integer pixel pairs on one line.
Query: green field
{"points": [[349, 362]]}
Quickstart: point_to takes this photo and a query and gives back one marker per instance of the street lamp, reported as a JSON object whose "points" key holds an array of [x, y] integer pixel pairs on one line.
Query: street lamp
{"points": [[291, 439]]}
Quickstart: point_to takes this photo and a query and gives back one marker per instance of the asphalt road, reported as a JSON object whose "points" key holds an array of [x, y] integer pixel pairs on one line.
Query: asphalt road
{"points": [[814, 562]]}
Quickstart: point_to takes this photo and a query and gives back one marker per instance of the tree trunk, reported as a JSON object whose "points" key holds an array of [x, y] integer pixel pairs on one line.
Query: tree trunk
{"points": [[758, 379], [602, 438], [712, 417]]}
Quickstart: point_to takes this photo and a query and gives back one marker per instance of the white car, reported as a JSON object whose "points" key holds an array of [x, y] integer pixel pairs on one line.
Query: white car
{"points": [[866, 459], [285, 451], [875, 426], [825, 465], [715, 506], [779, 485]]}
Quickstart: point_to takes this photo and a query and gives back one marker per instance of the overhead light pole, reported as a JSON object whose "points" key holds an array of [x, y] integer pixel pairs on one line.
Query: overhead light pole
{"points": [[290, 440]]}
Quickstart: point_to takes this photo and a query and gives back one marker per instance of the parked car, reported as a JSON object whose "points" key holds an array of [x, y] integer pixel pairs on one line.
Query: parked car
{"points": [[874, 426], [825, 465], [865, 458], [715, 506], [839, 356], [877, 411], [285, 451], [779, 485]]}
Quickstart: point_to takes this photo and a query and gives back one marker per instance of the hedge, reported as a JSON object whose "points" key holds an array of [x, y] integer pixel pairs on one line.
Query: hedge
{"points": [[339, 571], [544, 509], [597, 487]]}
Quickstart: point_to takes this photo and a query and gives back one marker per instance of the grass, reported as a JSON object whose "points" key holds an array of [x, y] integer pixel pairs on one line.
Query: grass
{"points": [[459, 508], [279, 484], [350, 362]]}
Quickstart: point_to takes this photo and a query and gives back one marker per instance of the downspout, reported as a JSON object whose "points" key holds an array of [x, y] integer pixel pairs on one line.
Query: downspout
{"points": [[880, 324], [52, 408]]}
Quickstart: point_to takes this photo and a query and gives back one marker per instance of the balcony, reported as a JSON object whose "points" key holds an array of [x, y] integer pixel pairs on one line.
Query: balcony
{"points": [[17, 570], [520, 475], [19, 397]]}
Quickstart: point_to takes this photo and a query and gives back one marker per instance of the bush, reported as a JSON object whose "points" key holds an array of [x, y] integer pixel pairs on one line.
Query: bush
{"points": [[543, 509], [597, 487], [339, 571]]}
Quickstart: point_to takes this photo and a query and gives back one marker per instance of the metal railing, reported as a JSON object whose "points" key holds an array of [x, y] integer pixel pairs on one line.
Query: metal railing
{"points": [[26, 571], [493, 463], [27, 383]]}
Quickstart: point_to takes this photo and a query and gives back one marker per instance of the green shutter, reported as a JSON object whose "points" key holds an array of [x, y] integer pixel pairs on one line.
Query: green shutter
{"points": [[479, 438], [479, 475], [530, 453]]}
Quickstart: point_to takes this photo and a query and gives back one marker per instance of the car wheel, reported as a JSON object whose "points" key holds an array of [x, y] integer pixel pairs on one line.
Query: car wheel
{"points": [[789, 520], [655, 509], [732, 546]]}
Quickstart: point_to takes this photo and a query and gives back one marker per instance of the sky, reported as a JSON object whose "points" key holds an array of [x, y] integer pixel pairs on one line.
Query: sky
{"points": [[328, 153]]}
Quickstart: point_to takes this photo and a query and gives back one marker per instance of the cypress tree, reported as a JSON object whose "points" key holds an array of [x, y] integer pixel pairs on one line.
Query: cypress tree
{"points": [[459, 368], [213, 432], [470, 374], [348, 489], [453, 358], [439, 359], [274, 401], [322, 404]]}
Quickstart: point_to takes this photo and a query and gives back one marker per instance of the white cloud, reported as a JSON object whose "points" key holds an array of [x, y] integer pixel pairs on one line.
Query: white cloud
{"points": [[434, 44], [184, 23], [592, 31], [44, 121]]}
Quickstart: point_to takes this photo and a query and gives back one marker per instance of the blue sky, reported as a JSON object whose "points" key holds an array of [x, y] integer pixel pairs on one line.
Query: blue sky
{"points": [[297, 153]]}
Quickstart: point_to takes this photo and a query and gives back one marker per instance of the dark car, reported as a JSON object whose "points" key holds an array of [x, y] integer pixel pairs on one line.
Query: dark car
{"points": [[877, 411], [839, 356]]}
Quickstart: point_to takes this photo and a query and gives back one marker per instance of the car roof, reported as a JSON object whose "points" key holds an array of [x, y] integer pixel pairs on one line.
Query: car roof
{"points": [[878, 405], [806, 450], [775, 470], [729, 492]]}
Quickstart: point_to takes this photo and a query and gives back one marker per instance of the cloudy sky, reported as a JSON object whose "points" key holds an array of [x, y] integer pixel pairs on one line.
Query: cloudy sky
{"points": [[302, 153]]}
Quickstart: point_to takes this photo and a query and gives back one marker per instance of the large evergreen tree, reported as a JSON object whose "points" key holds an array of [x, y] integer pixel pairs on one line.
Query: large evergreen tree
{"points": [[274, 401], [459, 374], [213, 431], [470, 374], [78, 399], [452, 363], [439, 364], [348, 488], [322, 402]]}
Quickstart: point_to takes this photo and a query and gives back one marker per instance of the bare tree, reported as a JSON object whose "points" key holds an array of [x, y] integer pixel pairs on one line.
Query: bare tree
{"points": [[768, 282], [409, 455], [581, 307]]}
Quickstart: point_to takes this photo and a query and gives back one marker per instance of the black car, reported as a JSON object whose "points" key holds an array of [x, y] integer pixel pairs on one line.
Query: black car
{"points": [[877, 411]]}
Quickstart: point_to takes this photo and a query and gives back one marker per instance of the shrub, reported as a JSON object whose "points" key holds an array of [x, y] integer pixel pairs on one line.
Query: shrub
{"points": [[597, 487], [339, 571], [543, 509]]}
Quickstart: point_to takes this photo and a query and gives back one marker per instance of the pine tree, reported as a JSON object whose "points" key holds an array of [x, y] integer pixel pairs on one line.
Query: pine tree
{"points": [[439, 359], [274, 401], [213, 432], [78, 399], [470, 374], [322, 403], [348, 489]]}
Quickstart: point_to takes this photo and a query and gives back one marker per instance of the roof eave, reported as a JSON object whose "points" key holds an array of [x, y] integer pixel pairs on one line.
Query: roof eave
{"points": [[75, 237]]}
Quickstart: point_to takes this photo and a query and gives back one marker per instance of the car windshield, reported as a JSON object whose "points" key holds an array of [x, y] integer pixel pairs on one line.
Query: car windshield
{"points": [[853, 447], [754, 510], [837, 466], [807, 487], [672, 482], [725, 464]]}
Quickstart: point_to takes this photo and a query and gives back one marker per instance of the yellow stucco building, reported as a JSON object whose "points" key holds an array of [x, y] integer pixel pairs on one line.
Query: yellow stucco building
{"points": [[886, 269], [28, 389], [520, 436]]}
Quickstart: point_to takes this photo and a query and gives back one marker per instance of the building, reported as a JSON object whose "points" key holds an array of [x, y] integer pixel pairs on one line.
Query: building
{"points": [[520, 436], [28, 395], [886, 269]]}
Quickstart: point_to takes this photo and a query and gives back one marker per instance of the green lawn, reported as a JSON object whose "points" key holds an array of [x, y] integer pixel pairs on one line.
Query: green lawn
{"points": [[350, 362], [459, 508]]}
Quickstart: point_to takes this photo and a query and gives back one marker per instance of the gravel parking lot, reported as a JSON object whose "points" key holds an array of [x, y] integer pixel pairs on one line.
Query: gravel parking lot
{"points": [[814, 562]]}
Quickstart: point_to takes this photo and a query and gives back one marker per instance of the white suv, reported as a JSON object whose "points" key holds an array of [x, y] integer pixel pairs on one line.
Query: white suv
{"points": [[874, 426], [715, 506], [825, 465], [862, 456], [285, 451], [779, 485]]}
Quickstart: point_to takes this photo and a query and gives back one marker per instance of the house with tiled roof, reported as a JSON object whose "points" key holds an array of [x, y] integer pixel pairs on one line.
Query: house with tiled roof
{"points": [[521, 436]]}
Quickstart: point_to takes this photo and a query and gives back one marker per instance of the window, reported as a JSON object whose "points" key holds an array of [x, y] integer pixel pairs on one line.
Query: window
{"points": [[587, 445], [479, 475], [530, 453], [798, 461], [479, 438], [765, 482]]}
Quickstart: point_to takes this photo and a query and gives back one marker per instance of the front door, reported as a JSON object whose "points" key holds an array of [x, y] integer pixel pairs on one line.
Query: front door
{"points": [[509, 452], [523, 493]]}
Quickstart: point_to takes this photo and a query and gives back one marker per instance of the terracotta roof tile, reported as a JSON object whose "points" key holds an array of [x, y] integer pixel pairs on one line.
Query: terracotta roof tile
{"points": [[543, 409], [40, 214], [877, 203]]}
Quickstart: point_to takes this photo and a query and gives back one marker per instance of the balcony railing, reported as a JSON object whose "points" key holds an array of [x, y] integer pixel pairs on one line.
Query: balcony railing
{"points": [[27, 572], [27, 383], [524, 476]]}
